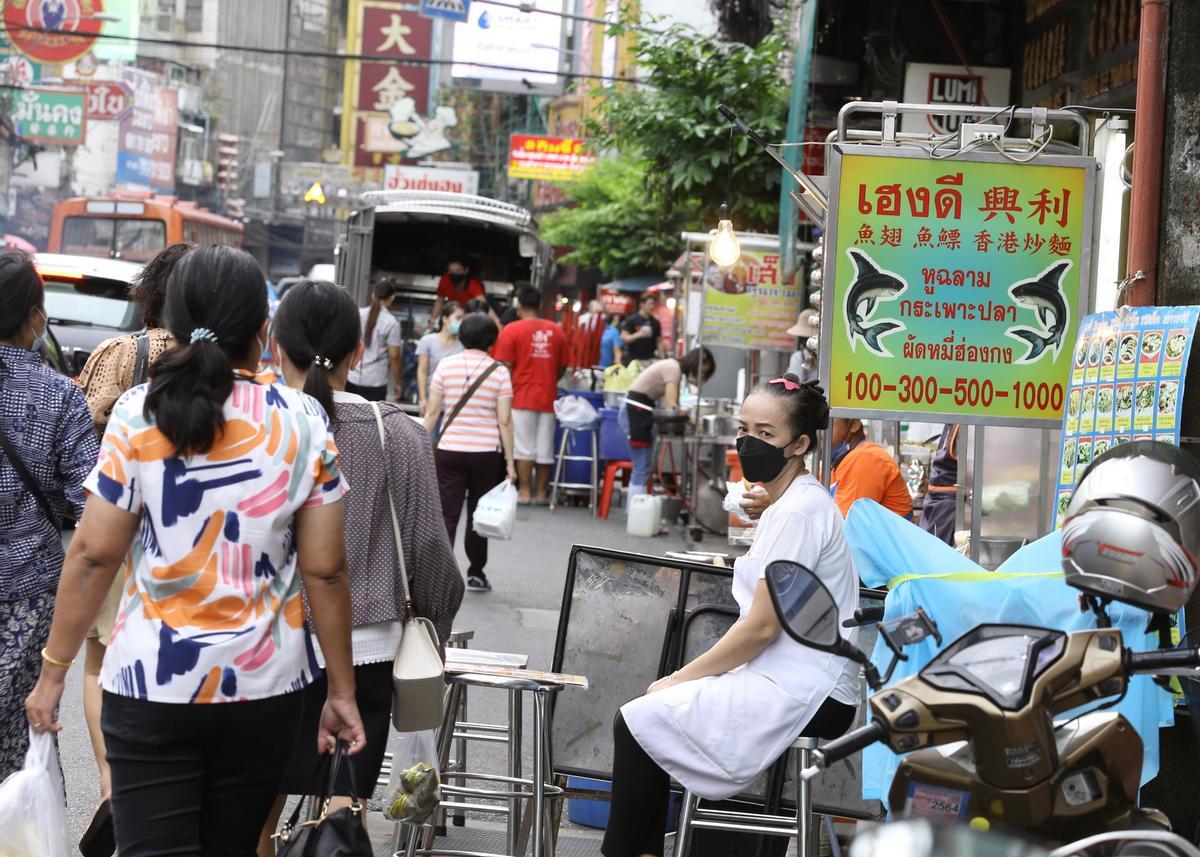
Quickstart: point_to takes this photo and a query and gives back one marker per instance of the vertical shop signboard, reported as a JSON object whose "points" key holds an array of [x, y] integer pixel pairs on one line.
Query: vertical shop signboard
{"points": [[1126, 383], [748, 305], [954, 287]]}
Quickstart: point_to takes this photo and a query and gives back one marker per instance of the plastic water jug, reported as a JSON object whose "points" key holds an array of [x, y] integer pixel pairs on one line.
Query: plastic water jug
{"points": [[645, 515]]}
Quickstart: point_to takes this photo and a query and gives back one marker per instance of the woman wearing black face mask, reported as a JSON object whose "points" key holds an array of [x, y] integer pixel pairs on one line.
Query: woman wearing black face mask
{"points": [[721, 720]]}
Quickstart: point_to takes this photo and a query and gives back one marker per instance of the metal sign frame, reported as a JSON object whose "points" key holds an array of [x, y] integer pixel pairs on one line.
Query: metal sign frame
{"points": [[831, 262]]}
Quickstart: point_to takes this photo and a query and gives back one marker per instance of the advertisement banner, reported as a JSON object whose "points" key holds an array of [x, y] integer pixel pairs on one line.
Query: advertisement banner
{"points": [[747, 306], [953, 288], [53, 32], [451, 10], [404, 177], [559, 159], [51, 115], [1126, 383], [148, 135], [508, 49], [929, 83]]}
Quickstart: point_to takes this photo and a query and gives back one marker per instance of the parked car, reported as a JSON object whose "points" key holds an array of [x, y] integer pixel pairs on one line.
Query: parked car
{"points": [[87, 302]]}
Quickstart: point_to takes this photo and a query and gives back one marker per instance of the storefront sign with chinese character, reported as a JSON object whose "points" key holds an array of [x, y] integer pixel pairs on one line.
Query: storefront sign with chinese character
{"points": [[747, 306], [1126, 384], [388, 95], [561, 159], [45, 115], [954, 288]]}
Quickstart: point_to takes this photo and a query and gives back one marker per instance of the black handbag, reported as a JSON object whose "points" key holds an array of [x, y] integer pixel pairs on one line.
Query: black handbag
{"points": [[340, 833]]}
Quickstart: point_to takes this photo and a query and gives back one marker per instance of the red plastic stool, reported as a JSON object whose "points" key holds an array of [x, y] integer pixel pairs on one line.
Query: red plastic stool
{"points": [[625, 469]]}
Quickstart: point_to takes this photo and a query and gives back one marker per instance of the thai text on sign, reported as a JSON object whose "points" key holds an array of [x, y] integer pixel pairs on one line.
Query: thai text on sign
{"points": [[954, 287], [533, 156], [748, 305]]}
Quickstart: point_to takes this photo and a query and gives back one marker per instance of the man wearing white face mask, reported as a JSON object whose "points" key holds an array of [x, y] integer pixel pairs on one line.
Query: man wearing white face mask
{"points": [[47, 448]]}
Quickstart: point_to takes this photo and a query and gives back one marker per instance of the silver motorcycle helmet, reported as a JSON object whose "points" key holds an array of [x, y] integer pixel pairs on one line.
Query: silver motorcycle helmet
{"points": [[1132, 527]]}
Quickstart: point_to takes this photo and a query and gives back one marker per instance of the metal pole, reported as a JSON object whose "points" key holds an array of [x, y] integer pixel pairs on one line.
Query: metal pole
{"points": [[797, 117], [977, 495], [287, 43], [1148, 153]]}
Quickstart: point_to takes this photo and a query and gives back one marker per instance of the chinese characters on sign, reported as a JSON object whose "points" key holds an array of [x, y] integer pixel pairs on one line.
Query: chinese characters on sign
{"points": [[389, 96], [746, 306], [561, 159], [953, 287], [45, 115], [1126, 383]]}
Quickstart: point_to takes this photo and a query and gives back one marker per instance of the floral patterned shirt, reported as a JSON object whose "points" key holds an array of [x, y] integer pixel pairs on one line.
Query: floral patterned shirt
{"points": [[211, 608]]}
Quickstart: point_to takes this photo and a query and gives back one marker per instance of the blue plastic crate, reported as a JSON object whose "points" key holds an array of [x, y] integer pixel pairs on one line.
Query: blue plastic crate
{"points": [[614, 446], [594, 813]]}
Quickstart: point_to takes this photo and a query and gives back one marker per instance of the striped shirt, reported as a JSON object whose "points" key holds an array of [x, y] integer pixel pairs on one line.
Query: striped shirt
{"points": [[476, 428]]}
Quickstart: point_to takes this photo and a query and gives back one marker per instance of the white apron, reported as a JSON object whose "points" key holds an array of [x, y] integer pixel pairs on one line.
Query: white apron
{"points": [[717, 734]]}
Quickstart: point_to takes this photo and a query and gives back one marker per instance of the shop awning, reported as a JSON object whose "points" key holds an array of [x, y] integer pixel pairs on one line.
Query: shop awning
{"points": [[634, 284]]}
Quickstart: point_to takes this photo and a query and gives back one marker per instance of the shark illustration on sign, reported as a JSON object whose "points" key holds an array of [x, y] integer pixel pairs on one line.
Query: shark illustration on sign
{"points": [[1044, 295], [870, 286]]}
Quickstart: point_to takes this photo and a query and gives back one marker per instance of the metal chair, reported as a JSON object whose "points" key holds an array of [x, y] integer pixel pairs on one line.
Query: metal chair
{"points": [[537, 790], [692, 816], [556, 484]]}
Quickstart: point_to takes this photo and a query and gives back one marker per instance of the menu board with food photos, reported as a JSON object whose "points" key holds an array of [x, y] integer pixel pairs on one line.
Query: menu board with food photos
{"points": [[1126, 384]]}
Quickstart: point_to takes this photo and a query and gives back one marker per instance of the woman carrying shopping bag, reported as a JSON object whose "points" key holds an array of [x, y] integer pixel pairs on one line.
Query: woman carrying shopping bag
{"points": [[47, 448], [229, 483], [473, 394], [317, 341]]}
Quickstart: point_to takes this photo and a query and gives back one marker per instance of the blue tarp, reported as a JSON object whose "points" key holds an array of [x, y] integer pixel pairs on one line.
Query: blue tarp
{"points": [[922, 571]]}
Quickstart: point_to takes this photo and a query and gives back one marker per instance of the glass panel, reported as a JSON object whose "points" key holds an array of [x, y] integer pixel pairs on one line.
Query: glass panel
{"points": [[65, 305], [88, 236], [997, 663], [140, 240]]}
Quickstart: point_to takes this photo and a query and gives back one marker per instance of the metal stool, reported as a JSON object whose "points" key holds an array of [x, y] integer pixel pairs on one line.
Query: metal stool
{"points": [[568, 434], [693, 816], [536, 789]]}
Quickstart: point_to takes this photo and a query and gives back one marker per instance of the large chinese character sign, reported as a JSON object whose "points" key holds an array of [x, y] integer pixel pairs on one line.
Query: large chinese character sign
{"points": [[954, 287]]}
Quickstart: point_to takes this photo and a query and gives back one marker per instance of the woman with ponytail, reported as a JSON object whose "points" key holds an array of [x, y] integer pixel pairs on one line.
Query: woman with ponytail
{"points": [[316, 340], [226, 485], [382, 347], [716, 724]]}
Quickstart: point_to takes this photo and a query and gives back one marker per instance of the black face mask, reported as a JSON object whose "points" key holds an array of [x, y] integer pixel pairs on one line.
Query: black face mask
{"points": [[761, 461], [457, 279]]}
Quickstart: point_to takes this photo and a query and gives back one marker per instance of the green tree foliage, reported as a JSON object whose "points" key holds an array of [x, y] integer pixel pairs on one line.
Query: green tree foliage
{"points": [[671, 123], [665, 167], [613, 224]]}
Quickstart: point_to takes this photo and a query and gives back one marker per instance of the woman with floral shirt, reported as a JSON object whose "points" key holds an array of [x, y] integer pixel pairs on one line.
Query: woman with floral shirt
{"points": [[229, 481]]}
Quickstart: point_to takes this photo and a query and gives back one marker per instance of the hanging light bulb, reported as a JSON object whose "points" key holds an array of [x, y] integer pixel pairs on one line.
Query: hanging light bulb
{"points": [[724, 249]]}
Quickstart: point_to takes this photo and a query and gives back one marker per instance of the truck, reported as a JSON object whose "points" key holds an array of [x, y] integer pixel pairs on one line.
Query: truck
{"points": [[408, 236]]}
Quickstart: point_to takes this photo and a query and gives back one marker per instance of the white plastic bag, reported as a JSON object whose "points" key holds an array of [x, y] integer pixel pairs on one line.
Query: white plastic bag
{"points": [[497, 512], [33, 807], [575, 411], [414, 789]]}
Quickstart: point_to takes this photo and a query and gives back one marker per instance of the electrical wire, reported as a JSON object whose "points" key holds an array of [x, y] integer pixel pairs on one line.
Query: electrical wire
{"points": [[1049, 135], [950, 34], [321, 55]]}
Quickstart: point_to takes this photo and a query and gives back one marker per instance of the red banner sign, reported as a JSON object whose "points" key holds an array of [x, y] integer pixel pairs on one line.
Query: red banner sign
{"points": [[109, 100], [53, 31], [390, 95], [533, 156]]}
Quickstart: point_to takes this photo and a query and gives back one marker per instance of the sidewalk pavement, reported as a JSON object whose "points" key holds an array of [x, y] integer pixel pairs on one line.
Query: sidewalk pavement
{"points": [[519, 615]]}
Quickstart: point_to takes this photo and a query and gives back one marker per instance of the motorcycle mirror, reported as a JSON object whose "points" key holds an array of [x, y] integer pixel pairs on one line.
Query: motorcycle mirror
{"points": [[809, 614], [804, 605]]}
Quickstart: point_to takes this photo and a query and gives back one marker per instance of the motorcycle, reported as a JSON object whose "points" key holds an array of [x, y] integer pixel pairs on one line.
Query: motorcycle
{"points": [[977, 723]]}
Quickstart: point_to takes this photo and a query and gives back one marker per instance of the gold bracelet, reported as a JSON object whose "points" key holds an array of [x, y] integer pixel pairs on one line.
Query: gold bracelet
{"points": [[50, 659]]}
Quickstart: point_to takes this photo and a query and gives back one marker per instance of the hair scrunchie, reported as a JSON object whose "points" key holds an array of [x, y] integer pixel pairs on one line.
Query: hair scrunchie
{"points": [[203, 334]]}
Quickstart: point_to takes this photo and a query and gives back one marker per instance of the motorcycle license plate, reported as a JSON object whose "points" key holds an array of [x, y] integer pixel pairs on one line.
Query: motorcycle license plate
{"points": [[936, 803]]}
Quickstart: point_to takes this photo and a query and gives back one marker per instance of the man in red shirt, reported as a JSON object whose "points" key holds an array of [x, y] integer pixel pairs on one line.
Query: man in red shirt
{"points": [[535, 351], [458, 286]]}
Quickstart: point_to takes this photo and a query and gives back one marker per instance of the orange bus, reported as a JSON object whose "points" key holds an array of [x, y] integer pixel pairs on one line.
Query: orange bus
{"points": [[134, 226]]}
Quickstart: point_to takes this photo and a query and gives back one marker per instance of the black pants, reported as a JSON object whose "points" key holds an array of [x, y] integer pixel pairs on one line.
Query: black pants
{"points": [[371, 394], [464, 477], [637, 818], [196, 780]]}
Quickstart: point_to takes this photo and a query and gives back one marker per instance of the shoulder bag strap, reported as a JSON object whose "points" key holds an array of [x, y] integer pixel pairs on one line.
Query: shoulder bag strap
{"points": [[466, 398], [141, 363], [30, 483], [408, 607]]}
